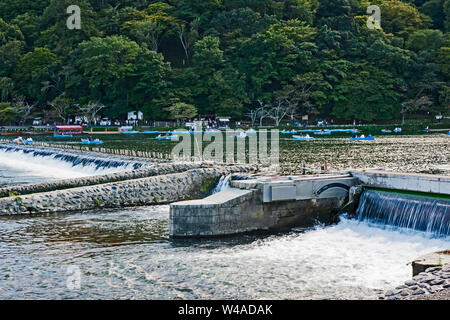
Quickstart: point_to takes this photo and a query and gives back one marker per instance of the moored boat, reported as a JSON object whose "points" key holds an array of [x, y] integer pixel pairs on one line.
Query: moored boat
{"points": [[57, 135], [369, 138], [307, 138], [172, 137], [322, 132], [87, 141]]}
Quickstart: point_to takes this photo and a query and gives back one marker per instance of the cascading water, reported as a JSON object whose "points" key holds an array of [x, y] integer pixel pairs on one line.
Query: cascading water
{"points": [[224, 181], [62, 164], [409, 211], [223, 184]]}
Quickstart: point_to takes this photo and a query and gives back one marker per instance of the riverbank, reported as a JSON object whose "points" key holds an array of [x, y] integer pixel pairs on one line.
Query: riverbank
{"points": [[433, 284]]}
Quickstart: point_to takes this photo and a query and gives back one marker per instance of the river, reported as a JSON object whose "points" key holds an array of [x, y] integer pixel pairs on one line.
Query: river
{"points": [[127, 254]]}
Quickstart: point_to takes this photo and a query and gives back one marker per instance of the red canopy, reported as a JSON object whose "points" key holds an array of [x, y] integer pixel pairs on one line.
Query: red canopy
{"points": [[68, 127]]}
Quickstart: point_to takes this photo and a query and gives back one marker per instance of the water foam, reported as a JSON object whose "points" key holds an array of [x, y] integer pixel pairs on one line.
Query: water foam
{"points": [[54, 164], [352, 259]]}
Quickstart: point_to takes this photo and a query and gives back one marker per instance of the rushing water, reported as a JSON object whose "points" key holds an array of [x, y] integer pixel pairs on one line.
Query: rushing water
{"points": [[27, 165], [127, 254], [404, 210]]}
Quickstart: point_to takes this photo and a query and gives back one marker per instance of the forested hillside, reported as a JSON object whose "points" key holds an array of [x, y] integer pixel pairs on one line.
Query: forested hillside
{"points": [[175, 58]]}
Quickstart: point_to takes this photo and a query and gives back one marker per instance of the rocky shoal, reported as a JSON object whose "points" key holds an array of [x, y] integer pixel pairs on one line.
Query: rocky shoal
{"points": [[433, 281]]}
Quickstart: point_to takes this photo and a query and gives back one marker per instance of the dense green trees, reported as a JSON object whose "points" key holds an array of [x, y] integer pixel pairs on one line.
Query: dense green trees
{"points": [[177, 58]]}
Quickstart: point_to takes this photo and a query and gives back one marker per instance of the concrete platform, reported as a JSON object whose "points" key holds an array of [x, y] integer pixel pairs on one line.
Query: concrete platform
{"points": [[276, 204], [426, 183], [227, 197], [435, 259]]}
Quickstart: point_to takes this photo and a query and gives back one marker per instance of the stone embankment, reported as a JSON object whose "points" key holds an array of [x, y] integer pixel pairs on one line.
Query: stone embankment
{"points": [[431, 279], [155, 170], [430, 282], [159, 189]]}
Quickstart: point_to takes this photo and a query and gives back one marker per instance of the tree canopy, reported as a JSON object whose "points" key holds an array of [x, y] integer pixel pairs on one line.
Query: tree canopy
{"points": [[174, 59]]}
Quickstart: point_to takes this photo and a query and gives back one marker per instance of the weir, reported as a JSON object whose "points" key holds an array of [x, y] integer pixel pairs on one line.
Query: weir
{"points": [[100, 181], [95, 162], [409, 211], [411, 201], [276, 204]]}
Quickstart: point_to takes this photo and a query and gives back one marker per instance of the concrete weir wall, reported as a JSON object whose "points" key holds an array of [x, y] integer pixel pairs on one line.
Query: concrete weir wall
{"points": [[425, 183], [144, 191], [261, 204]]}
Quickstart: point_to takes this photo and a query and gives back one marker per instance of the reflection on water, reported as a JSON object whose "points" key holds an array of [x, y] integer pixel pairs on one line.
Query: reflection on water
{"points": [[419, 154], [126, 254]]}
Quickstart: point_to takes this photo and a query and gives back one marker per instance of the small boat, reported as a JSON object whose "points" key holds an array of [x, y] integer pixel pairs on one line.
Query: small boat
{"points": [[345, 130], [172, 137], [87, 141], [56, 135], [302, 138], [306, 131], [386, 131], [323, 133], [369, 138], [150, 132], [289, 132], [67, 131], [29, 141], [213, 131], [251, 131], [130, 132], [242, 135]]}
